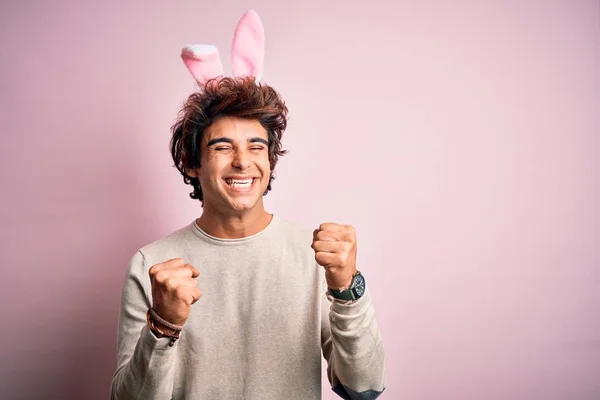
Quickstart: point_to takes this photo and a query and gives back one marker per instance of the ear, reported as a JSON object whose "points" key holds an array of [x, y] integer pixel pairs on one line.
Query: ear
{"points": [[248, 50], [203, 62], [192, 173]]}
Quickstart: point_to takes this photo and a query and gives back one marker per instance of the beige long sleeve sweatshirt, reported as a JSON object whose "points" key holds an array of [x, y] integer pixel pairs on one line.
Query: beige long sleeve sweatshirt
{"points": [[259, 330]]}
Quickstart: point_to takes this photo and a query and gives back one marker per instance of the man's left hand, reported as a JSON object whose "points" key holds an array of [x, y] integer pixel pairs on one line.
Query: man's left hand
{"points": [[335, 250]]}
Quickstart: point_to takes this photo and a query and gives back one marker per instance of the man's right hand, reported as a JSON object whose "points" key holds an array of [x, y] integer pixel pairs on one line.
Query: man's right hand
{"points": [[174, 289]]}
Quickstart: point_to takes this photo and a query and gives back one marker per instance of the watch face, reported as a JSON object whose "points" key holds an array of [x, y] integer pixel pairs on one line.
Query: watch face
{"points": [[359, 285]]}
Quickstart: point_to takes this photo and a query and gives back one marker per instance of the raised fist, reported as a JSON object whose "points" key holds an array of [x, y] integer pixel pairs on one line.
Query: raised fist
{"points": [[335, 250], [174, 289]]}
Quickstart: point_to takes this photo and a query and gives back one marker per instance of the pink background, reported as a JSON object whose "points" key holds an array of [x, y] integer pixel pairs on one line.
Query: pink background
{"points": [[461, 138]]}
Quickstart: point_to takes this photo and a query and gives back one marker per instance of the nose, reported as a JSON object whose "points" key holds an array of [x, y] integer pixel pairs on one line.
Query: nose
{"points": [[241, 160]]}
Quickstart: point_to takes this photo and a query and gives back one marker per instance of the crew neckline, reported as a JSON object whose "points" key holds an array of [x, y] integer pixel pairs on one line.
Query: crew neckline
{"points": [[222, 241]]}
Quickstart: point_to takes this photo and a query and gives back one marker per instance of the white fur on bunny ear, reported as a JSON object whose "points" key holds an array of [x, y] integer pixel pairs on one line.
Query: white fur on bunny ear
{"points": [[203, 62], [248, 50]]}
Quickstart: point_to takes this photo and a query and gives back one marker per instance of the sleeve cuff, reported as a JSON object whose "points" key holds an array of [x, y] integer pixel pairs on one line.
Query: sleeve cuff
{"points": [[156, 343], [351, 307]]}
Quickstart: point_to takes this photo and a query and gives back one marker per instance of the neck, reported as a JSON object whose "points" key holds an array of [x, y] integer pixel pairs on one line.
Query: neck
{"points": [[234, 225]]}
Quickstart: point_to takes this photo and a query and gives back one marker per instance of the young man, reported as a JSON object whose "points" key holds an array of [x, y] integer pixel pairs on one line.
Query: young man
{"points": [[240, 303]]}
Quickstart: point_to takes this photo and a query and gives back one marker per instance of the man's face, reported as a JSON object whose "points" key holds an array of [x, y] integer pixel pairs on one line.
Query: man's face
{"points": [[234, 168]]}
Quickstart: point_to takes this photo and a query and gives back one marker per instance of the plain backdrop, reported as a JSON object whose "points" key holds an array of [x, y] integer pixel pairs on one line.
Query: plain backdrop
{"points": [[461, 139]]}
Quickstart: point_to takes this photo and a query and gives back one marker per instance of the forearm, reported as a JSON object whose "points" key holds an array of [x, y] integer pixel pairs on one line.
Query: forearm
{"points": [[357, 359], [149, 372]]}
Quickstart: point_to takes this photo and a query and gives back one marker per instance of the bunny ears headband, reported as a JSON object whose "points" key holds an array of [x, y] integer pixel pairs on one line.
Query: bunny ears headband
{"points": [[247, 53]]}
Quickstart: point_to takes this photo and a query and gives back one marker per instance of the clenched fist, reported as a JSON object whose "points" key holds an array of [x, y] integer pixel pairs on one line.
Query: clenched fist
{"points": [[174, 289], [335, 249]]}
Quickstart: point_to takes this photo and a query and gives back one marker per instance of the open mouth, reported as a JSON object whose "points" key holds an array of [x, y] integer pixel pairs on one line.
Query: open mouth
{"points": [[240, 184]]}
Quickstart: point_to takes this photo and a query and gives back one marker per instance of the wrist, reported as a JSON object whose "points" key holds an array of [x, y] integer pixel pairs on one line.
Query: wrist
{"points": [[159, 329], [163, 322], [166, 331], [341, 281], [354, 291]]}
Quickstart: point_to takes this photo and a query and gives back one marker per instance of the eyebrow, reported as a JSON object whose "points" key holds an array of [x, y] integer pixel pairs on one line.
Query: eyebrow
{"points": [[228, 140]]}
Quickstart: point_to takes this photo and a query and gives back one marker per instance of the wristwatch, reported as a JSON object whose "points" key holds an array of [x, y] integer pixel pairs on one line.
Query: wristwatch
{"points": [[354, 292]]}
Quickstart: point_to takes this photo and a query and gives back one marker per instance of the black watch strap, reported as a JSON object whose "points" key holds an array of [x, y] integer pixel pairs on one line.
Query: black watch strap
{"points": [[354, 292]]}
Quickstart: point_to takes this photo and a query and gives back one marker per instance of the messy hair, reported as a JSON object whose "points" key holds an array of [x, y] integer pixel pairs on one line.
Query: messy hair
{"points": [[240, 97]]}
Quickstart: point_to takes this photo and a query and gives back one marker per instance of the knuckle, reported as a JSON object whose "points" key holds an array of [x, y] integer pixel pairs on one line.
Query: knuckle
{"points": [[161, 276], [196, 294], [181, 292], [191, 268], [320, 257], [176, 262], [170, 284], [154, 269]]}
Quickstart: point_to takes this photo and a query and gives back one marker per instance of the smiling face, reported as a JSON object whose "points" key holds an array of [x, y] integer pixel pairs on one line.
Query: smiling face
{"points": [[234, 166]]}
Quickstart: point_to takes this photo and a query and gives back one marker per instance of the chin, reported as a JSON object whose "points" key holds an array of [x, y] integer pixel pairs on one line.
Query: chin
{"points": [[243, 205]]}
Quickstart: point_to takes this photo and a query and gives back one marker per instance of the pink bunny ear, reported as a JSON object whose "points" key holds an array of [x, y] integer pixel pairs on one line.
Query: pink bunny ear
{"points": [[203, 61], [248, 50]]}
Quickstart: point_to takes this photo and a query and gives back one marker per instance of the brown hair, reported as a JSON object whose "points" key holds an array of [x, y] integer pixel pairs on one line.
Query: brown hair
{"points": [[235, 97]]}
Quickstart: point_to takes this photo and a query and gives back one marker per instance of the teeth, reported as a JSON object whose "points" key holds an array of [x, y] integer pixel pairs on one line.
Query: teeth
{"points": [[239, 183]]}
